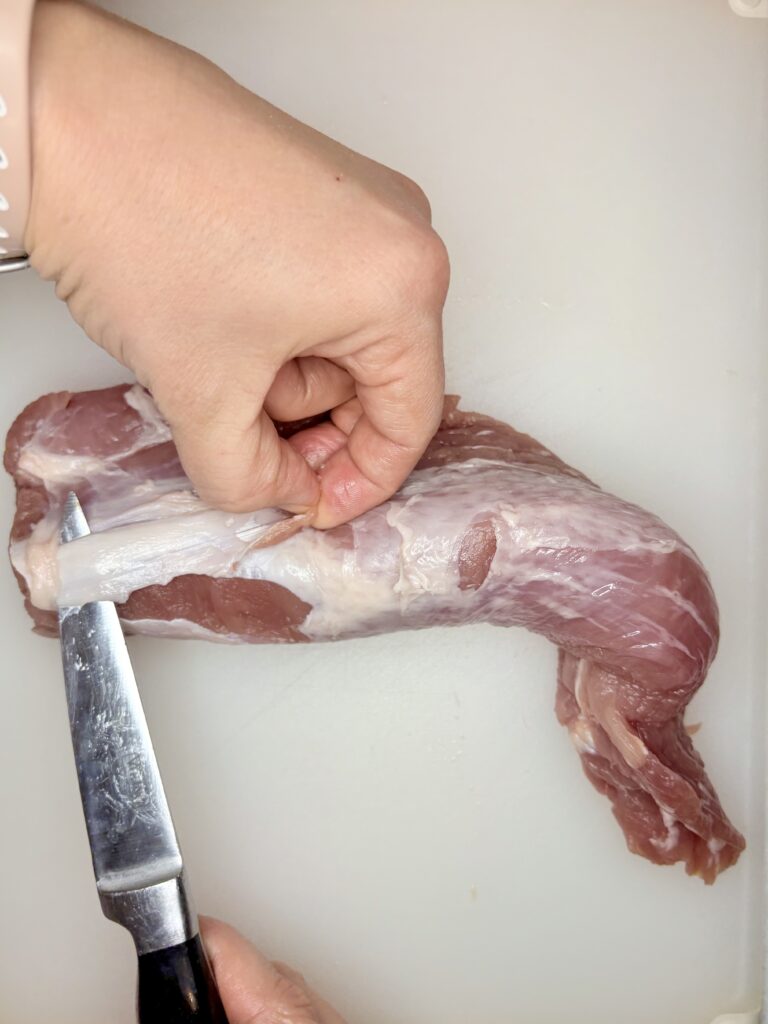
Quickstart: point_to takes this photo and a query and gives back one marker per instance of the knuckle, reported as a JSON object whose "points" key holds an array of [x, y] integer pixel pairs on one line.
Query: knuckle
{"points": [[416, 269], [427, 267], [440, 267], [415, 193], [292, 975]]}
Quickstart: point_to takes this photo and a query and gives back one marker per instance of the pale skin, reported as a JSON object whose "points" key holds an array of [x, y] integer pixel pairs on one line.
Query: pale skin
{"points": [[255, 990], [246, 269], [242, 265]]}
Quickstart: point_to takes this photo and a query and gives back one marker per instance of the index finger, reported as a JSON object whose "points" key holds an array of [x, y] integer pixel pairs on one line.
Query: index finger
{"points": [[400, 384], [255, 991]]}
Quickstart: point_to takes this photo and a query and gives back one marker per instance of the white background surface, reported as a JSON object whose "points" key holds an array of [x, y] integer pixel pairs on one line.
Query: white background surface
{"points": [[401, 817]]}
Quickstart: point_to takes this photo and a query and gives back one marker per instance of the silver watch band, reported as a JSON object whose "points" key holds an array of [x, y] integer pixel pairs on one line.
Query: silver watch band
{"points": [[15, 142]]}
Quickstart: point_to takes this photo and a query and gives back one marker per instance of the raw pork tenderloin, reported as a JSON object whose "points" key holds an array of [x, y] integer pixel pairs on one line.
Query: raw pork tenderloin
{"points": [[490, 527]]}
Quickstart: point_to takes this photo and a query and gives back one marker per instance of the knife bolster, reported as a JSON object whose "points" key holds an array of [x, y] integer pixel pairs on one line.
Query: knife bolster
{"points": [[157, 916]]}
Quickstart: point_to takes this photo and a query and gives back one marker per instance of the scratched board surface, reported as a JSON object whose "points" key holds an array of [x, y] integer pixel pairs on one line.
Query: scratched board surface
{"points": [[401, 817]]}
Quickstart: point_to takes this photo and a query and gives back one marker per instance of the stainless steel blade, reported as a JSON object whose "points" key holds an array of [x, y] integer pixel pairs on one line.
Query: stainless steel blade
{"points": [[133, 841]]}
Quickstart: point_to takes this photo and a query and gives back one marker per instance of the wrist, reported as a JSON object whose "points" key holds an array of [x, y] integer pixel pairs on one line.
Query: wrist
{"points": [[93, 81], [77, 61], [58, 54]]}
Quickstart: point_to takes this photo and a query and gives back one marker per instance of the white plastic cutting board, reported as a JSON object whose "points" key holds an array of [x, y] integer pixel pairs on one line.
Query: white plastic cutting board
{"points": [[401, 817]]}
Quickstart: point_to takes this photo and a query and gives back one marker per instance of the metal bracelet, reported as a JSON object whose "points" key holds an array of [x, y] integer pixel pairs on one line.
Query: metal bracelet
{"points": [[9, 263]]}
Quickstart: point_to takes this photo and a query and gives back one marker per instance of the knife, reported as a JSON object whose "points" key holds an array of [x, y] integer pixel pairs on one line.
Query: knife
{"points": [[136, 857]]}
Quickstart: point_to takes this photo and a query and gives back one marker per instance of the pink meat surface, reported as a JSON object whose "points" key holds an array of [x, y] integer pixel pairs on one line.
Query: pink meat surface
{"points": [[490, 527]]}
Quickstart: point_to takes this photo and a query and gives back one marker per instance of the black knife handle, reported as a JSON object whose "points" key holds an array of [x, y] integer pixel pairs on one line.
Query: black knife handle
{"points": [[177, 986]]}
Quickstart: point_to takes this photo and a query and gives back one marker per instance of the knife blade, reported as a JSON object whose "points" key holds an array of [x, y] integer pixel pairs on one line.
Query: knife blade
{"points": [[136, 855]]}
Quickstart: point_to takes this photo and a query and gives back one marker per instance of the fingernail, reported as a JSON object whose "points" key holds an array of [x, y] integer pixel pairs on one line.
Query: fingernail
{"points": [[297, 510]]}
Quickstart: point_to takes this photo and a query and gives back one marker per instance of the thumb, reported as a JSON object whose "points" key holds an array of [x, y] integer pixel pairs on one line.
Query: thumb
{"points": [[231, 451], [255, 991]]}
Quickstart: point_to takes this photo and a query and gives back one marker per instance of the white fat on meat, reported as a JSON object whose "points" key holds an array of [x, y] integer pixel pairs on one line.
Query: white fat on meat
{"points": [[158, 531]]}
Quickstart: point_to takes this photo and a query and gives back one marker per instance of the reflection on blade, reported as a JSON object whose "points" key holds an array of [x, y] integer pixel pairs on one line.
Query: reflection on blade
{"points": [[133, 842]]}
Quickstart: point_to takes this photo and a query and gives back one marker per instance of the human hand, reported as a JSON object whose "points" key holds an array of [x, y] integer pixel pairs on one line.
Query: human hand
{"points": [[255, 991], [245, 267]]}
